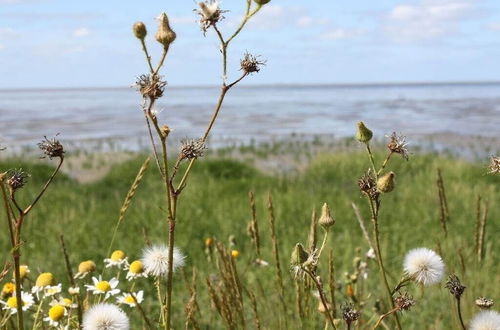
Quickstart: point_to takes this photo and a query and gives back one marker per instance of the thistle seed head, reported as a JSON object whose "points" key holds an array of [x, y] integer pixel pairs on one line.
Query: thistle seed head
{"points": [[250, 63], [150, 86], [349, 314], [404, 302], [51, 148], [191, 149], [397, 144], [484, 303], [16, 179], [210, 14], [453, 284], [368, 185]]}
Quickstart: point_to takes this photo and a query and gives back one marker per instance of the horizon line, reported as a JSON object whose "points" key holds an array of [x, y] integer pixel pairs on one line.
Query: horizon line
{"points": [[275, 85]]}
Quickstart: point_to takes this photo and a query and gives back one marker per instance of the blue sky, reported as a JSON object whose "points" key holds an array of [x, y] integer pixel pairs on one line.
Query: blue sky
{"points": [[54, 43]]}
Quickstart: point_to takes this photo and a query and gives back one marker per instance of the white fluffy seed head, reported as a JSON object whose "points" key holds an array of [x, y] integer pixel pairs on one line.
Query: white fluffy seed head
{"points": [[155, 260], [105, 317], [424, 265], [485, 320]]}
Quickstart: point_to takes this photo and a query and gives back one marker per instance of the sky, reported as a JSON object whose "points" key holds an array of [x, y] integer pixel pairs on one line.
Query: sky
{"points": [[60, 43]]}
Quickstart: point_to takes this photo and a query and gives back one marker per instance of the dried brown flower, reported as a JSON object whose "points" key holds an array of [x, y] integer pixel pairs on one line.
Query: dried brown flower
{"points": [[192, 149], [368, 185], [210, 14], [349, 314], [494, 167], [250, 63], [404, 302], [17, 178], [52, 148], [453, 284], [397, 144], [484, 303], [150, 86]]}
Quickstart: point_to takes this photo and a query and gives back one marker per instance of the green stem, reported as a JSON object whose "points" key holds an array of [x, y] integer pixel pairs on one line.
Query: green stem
{"points": [[460, 314], [148, 58], [322, 296], [384, 164], [372, 161]]}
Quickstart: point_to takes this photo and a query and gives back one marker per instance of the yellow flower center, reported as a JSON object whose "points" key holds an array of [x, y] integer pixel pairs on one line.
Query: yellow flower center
{"points": [[86, 266], [103, 286], [136, 267], [8, 289], [56, 312], [12, 302], [117, 255], [67, 301], [23, 270], [129, 299], [235, 253], [44, 279]]}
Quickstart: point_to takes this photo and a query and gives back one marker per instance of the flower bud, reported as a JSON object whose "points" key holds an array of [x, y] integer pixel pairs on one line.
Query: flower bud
{"points": [[140, 30], [165, 35], [326, 220], [86, 267], [299, 255], [262, 2], [385, 183], [364, 134], [45, 279]]}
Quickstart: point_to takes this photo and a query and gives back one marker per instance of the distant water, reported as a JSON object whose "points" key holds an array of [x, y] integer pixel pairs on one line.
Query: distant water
{"points": [[259, 113]]}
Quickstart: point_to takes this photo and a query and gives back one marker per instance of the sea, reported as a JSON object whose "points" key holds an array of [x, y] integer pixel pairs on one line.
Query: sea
{"points": [[252, 113]]}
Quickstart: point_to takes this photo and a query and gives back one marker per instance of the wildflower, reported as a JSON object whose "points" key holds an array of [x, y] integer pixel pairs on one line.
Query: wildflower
{"points": [[208, 242], [326, 220], [165, 35], [235, 253], [139, 30], [368, 185], [23, 271], [155, 260], [363, 134], [397, 144], [56, 314], [485, 320], [52, 148], [150, 86], [424, 266], [136, 270], [52, 290], [8, 289], [74, 290], [404, 302], [108, 288], [132, 299], [117, 259], [17, 178], [105, 317], [484, 303], [85, 268], [11, 303], [250, 63], [210, 14], [349, 314], [191, 149], [494, 167], [65, 302], [453, 284], [43, 280], [385, 183], [371, 254]]}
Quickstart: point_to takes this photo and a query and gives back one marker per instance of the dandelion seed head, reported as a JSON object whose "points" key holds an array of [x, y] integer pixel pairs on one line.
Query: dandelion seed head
{"points": [[424, 265], [485, 320], [105, 317], [155, 260]]}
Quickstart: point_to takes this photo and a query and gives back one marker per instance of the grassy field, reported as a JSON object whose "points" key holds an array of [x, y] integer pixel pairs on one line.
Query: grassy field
{"points": [[215, 204]]}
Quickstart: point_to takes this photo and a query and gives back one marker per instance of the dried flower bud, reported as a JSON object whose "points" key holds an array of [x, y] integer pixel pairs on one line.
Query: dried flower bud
{"points": [[453, 284], [262, 2], [326, 220], [140, 31], [494, 167], [397, 144], [364, 134], [52, 148], [385, 183], [191, 149], [150, 86], [484, 303], [368, 185], [17, 178], [165, 35], [165, 131], [349, 314], [404, 302], [299, 255], [250, 64]]}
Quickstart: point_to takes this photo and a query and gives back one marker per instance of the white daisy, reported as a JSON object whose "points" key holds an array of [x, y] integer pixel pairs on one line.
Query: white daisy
{"points": [[155, 260], [485, 320], [11, 303], [56, 314], [43, 280], [128, 298], [65, 302], [108, 288], [136, 270], [105, 317], [424, 266], [52, 290], [117, 259], [74, 290]]}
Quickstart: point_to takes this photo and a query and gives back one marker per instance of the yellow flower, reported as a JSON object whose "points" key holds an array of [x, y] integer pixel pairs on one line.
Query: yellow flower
{"points": [[117, 259], [56, 312], [12, 302], [8, 289], [209, 241], [117, 255], [44, 279], [23, 271], [84, 268], [235, 253], [136, 270]]}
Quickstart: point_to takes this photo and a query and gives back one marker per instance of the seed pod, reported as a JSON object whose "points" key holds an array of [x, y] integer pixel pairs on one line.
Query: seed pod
{"points": [[326, 220], [385, 183], [140, 31], [364, 134], [165, 35]]}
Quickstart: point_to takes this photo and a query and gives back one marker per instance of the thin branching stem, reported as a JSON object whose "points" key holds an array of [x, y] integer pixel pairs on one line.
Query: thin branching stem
{"points": [[321, 295]]}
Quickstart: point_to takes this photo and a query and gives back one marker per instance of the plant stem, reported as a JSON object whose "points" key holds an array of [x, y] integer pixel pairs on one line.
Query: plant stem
{"points": [[322, 296], [383, 316], [384, 164], [148, 58], [372, 161], [459, 309]]}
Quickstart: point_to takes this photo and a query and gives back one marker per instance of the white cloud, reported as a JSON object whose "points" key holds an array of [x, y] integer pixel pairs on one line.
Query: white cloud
{"points": [[427, 19], [337, 34], [81, 32]]}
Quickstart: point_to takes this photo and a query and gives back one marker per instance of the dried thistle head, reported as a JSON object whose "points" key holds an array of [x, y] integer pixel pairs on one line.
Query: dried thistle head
{"points": [[250, 63], [494, 167], [368, 185], [191, 149], [484, 303], [397, 144], [210, 14], [453, 284], [150, 86], [349, 314], [404, 301], [16, 179], [52, 148]]}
